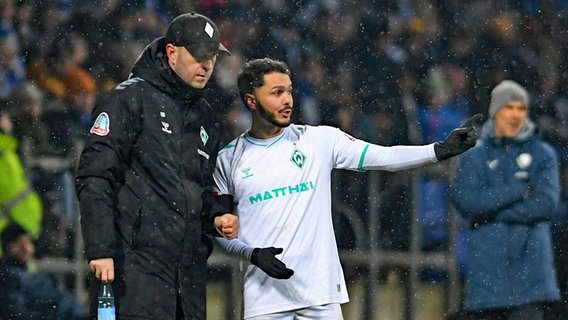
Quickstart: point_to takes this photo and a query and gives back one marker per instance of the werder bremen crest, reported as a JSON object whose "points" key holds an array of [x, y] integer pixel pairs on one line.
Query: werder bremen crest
{"points": [[298, 158], [204, 136]]}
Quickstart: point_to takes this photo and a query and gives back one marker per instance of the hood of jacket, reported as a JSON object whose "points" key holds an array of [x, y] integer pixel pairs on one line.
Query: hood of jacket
{"points": [[152, 66]]}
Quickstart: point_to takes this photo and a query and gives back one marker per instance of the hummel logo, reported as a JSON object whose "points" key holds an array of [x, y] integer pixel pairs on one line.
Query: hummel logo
{"points": [[166, 127], [247, 173]]}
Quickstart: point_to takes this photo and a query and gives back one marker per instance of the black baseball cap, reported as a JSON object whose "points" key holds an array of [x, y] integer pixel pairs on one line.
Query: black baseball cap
{"points": [[197, 33]]}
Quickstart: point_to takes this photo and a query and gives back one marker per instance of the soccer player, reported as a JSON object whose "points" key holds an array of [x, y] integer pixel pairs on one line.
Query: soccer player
{"points": [[280, 176]]}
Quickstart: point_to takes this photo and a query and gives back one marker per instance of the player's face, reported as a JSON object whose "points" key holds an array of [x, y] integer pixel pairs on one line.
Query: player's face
{"points": [[194, 73], [274, 101], [510, 119]]}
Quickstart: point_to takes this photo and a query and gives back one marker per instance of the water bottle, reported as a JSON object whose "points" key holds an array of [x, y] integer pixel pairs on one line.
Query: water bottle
{"points": [[106, 310]]}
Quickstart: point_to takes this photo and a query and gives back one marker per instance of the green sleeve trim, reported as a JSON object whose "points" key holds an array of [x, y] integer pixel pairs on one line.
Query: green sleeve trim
{"points": [[360, 166]]}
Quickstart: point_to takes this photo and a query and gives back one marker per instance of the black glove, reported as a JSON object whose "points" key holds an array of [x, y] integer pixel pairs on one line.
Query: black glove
{"points": [[265, 259], [460, 140]]}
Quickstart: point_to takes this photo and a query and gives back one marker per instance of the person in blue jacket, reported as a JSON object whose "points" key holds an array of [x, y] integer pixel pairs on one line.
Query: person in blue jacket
{"points": [[508, 187], [27, 294]]}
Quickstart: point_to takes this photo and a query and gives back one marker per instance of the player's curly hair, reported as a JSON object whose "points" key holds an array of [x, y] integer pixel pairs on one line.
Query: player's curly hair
{"points": [[252, 74]]}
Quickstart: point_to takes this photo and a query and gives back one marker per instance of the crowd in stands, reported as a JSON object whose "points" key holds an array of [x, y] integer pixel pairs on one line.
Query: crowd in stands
{"points": [[388, 71]]}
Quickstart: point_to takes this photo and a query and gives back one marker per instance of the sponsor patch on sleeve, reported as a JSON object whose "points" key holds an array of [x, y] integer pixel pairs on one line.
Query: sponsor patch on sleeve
{"points": [[101, 127]]}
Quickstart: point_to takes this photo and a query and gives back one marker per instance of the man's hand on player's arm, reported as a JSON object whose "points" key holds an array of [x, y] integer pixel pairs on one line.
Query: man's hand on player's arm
{"points": [[227, 225]]}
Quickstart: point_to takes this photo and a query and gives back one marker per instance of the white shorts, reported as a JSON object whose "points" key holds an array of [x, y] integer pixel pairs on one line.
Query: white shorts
{"points": [[330, 311]]}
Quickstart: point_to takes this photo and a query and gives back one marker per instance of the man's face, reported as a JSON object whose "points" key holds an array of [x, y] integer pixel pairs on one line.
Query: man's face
{"points": [[274, 101], [194, 73], [22, 249], [510, 119]]}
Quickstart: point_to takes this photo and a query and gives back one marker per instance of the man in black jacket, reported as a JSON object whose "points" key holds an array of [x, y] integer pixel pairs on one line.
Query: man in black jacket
{"points": [[144, 181]]}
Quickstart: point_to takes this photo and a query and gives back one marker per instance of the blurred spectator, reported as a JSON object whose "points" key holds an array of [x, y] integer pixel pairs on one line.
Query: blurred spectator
{"points": [[383, 51], [80, 100], [65, 56], [552, 114], [437, 117], [7, 14], [26, 105], [312, 87], [26, 294], [501, 53], [18, 200], [508, 188], [47, 144], [222, 91], [24, 26], [127, 53], [12, 67], [388, 125], [68, 123]]}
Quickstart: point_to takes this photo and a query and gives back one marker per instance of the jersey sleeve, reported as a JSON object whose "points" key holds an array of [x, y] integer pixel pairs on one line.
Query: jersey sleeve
{"points": [[100, 172], [235, 247], [395, 158], [355, 154]]}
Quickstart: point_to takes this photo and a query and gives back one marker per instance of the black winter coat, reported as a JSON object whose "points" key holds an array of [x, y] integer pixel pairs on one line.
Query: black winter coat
{"points": [[144, 180]]}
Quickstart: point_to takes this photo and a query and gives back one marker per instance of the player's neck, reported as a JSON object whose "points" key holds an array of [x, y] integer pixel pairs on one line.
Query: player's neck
{"points": [[265, 132]]}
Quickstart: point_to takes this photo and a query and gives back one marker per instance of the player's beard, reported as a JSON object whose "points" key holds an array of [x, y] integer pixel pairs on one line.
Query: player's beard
{"points": [[271, 116]]}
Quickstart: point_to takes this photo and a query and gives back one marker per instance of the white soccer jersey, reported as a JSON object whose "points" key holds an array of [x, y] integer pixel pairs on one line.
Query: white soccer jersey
{"points": [[282, 192]]}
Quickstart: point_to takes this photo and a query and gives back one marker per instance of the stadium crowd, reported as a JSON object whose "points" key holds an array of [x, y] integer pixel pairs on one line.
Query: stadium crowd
{"points": [[390, 72]]}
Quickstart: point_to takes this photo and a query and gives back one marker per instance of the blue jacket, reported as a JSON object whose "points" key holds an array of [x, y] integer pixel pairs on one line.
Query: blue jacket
{"points": [[508, 189], [29, 295]]}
